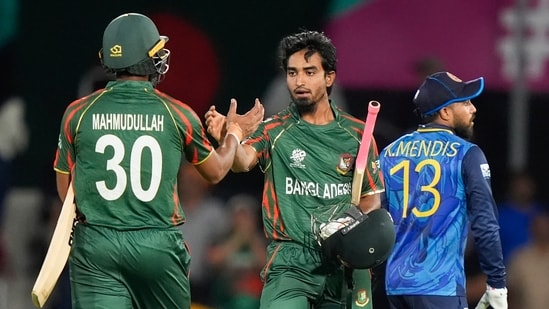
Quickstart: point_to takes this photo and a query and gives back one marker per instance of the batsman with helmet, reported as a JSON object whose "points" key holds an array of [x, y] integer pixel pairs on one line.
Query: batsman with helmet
{"points": [[122, 146], [307, 154]]}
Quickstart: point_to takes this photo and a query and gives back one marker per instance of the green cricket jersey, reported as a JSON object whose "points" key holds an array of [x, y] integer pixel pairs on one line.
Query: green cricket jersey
{"points": [[308, 171], [123, 146]]}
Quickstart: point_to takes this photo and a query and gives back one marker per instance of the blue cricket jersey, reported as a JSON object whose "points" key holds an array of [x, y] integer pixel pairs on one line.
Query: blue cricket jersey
{"points": [[437, 184]]}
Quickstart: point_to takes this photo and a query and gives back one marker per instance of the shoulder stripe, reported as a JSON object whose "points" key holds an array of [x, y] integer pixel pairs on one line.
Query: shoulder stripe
{"points": [[180, 109], [355, 120]]}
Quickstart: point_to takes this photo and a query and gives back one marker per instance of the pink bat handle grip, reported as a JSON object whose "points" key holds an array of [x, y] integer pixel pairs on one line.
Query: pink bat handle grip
{"points": [[363, 150], [373, 110]]}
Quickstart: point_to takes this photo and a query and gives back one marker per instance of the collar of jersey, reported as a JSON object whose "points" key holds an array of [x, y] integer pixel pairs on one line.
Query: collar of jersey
{"points": [[335, 110], [130, 84], [432, 127]]}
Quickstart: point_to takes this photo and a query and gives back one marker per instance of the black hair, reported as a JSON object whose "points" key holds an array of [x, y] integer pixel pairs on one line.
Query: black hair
{"points": [[424, 119], [145, 67], [314, 42], [142, 68]]}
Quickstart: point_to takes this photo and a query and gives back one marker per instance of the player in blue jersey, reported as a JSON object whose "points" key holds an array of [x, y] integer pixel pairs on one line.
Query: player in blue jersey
{"points": [[437, 186]]}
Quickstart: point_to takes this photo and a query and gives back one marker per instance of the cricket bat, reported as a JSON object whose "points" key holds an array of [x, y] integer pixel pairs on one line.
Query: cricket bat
{"points": [[362, 155], [58, 252]]}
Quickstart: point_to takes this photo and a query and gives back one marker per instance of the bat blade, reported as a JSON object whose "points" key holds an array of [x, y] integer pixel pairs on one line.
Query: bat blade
{"points": [[362, 155], [57, 254]]}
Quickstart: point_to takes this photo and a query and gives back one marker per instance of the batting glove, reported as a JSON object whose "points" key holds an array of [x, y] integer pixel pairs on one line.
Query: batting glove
{"points": [[496, 298], [327, 229]]}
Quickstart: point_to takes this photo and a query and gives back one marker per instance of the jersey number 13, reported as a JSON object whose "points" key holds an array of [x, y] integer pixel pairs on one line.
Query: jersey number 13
{"points": [[404, 166]]}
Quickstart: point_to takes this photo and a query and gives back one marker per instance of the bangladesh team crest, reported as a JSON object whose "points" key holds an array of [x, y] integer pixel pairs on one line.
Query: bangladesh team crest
{"points": [[362, 298], [345, 163], [375, 165]]}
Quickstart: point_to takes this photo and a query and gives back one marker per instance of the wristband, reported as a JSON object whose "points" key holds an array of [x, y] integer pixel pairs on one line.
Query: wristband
{"points": [[235, 130], [235, 136]]}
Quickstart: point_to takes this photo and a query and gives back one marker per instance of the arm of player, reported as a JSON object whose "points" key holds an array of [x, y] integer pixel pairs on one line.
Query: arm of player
{"points": [[246, 156], [370, 202], [482, 211], [62, 182], [218, 164], [245, 159]]}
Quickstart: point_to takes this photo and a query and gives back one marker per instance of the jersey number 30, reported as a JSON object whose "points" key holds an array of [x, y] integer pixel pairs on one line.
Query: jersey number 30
{"points": [[113, 164], [405, 167]]}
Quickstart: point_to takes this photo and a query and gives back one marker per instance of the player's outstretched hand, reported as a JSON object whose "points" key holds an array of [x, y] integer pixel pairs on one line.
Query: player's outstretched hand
{"points": [[250, 121], [493, 298], [217, 123], [231, 125]]}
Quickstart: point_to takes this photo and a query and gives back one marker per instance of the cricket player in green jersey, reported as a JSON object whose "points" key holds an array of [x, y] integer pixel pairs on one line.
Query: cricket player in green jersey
{"points": [[307, 154], [122, 147]]}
